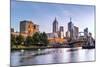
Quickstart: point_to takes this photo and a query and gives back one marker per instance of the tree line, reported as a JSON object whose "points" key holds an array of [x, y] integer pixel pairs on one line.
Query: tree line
{"points": [[38, 39]]}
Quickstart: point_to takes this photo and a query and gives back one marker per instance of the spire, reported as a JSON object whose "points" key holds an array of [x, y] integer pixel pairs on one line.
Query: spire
{"points": [[55, 19], [70, 19]]}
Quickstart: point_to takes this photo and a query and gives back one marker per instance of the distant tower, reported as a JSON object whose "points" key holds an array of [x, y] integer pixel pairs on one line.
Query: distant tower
{"points": [[70, 26], [55, 26], [76, 32], [61, 29], [86, 32], [61, 32], [12, 29], [71, 29]]}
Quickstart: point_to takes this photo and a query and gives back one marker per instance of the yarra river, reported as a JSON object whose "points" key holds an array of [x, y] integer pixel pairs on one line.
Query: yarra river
{"points": [[49, 56]]}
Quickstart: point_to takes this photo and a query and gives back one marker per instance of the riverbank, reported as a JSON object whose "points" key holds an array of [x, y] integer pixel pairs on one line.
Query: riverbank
{"points": [[20, 47]]}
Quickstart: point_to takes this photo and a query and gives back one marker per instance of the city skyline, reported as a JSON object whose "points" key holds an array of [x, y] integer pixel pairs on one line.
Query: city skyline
{"points": [[44, 14]]}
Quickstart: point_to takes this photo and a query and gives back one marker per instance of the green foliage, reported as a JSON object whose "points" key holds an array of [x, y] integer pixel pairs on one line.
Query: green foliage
{"points": [[28, 41], [38, 39], [13, 40], [19, 40], [43, 38]]}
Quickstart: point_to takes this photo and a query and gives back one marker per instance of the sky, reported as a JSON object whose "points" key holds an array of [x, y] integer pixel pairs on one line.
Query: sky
{"points": [[44, 14]]}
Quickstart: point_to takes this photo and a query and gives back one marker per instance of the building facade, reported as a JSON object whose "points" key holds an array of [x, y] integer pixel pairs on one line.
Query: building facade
{"points": [[28, 27], [53, 38], [12, 29], [76, 32], [86, 32], [55, 26], [61, 32], [71, 29]]}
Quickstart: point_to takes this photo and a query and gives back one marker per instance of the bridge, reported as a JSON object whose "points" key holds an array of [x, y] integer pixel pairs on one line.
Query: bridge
{"points": [[79, 41]]}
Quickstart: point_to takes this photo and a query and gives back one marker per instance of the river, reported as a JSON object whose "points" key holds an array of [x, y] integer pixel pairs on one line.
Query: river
{"points": [[49, 56]]}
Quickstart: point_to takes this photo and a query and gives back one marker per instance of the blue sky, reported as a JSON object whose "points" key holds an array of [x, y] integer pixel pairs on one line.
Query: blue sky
{"points": [[44, 14]]}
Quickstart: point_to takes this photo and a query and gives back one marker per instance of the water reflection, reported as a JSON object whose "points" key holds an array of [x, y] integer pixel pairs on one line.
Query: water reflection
{"points": [[48, 56], [15, 58]]}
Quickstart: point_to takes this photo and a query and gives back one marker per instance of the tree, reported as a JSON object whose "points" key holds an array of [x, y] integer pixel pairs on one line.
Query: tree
{"points": [[13, 40], [40, 39], [36, 38], [19, 40], [28, 41], [44, 38]]}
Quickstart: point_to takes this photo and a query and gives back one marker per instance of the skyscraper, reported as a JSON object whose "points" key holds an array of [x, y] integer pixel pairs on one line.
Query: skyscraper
{"points": [[76, 32], [86, 32], [61, 31], [71, 29], [55, 26], [67, 34]]}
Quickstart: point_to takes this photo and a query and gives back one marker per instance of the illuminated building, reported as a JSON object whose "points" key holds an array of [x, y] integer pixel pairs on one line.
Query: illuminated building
{"points": [[28, 27], [61, 32]]}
